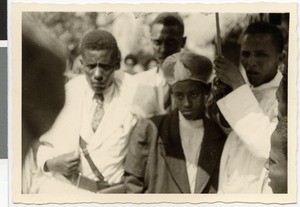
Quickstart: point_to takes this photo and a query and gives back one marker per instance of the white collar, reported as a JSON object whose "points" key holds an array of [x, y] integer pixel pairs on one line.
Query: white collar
{"points": [[273, 83], [107, 93]]}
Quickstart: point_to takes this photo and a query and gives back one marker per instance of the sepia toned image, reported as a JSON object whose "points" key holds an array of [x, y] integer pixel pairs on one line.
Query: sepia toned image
{"points": [[171, 103]]}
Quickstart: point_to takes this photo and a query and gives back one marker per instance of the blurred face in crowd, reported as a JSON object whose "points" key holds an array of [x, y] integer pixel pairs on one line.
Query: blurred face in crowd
{"points": [[277, 165], [282, 100], [99, 68], [129, 63], [166, 40], [152, 64], [189, 98], [260, 58]]}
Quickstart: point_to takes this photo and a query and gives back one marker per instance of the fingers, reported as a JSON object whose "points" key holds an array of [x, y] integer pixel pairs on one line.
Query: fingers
{"points": [[73, 158], [70, 172], [74, 168], [71, 168], [72, 164], [219, 73]]}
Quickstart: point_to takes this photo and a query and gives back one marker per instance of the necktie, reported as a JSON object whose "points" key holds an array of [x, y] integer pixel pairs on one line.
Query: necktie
{"points": [[99, 111]]}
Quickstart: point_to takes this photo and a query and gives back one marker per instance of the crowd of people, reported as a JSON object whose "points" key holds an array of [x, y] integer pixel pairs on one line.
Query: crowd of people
{"points": [[154, 132]]}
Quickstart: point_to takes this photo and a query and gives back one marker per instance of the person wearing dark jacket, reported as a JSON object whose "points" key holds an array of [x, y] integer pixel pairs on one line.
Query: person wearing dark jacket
{"points": [[178, 152]]}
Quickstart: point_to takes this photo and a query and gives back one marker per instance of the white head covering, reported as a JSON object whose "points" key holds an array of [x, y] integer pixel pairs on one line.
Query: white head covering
{"points": [[187, 66]]}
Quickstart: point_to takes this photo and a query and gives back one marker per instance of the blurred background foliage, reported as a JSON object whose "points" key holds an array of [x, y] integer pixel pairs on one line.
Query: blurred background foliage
{"points": [[132, 30]]}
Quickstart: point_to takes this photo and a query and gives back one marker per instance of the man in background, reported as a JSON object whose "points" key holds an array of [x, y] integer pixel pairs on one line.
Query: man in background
{"points": [[167, 36]]}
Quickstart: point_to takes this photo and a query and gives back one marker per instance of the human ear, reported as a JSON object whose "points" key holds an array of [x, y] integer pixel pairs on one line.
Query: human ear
{"points": [[282, 56]]}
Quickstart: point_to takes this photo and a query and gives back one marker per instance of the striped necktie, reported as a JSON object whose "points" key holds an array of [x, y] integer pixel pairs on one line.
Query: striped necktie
{"points": [[99, 111]]}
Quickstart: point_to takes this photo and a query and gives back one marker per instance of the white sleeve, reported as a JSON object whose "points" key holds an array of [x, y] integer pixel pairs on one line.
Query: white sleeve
{"points": [[45, 151], [247, 119]]}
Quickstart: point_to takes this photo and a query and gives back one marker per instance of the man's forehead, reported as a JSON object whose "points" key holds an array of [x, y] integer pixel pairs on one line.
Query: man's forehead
{"points": [[158, 29], [257, 41], [96, 55]]}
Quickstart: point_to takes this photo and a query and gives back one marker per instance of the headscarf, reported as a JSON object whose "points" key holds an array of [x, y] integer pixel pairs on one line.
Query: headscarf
{"points": [[187, 66]]}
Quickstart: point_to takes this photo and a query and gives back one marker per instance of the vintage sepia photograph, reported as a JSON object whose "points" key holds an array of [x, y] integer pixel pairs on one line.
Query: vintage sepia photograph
{"points": [[171, 103]]}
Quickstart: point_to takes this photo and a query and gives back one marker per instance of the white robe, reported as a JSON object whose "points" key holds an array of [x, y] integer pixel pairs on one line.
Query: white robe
{"points": [[107, 146], [252, 114], [153, 83]]}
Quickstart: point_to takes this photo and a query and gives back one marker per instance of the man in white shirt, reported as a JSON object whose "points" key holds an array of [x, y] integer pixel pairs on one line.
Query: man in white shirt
{"points": [[85, 149], [167, 36], [250, 110], [178, 152]]}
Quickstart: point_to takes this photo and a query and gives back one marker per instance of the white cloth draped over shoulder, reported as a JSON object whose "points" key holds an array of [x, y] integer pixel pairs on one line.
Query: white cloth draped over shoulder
{"points": [[152, 88], [252, 114], [107, 146]]}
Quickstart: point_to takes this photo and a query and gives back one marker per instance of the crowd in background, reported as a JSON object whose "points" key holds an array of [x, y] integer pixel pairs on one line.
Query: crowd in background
{"points": [[187, 145]]}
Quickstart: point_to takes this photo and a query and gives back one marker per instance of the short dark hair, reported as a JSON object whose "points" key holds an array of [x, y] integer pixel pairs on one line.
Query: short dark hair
{"points": [[101, 40], [267, 28], [281, 129], [170, 19], [131, 57]]}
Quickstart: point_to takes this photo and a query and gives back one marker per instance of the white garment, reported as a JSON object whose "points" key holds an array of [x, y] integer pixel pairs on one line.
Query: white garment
{"points": [[89, 107], [252, 114], [191, 133], [107, 146], [155, 84], [264, 182]]}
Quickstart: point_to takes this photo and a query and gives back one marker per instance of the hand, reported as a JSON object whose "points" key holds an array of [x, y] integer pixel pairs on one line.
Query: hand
{"points": [[219, 89], [228, 73], [66, 164]]}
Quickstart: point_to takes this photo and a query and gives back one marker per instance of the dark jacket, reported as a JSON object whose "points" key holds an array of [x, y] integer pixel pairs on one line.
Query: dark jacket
{"points": [[155, 162]]}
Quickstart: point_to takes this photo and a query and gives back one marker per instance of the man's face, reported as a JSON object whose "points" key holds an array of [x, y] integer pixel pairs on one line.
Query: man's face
{"points": [[260, 58], [166, 40], [277, 165], [189, 98], [98, 68], [129, 63], [282, 101]]}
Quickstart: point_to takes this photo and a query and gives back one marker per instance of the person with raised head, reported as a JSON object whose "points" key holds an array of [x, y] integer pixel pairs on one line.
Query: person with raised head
{"points": [[130, 61], [178, 152], [85, 149], [278, 158], [251, 110], [167, 36]]}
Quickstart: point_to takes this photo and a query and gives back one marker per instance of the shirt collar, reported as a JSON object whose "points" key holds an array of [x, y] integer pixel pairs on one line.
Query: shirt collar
{"points": [[273, 83], [107, 93]]}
